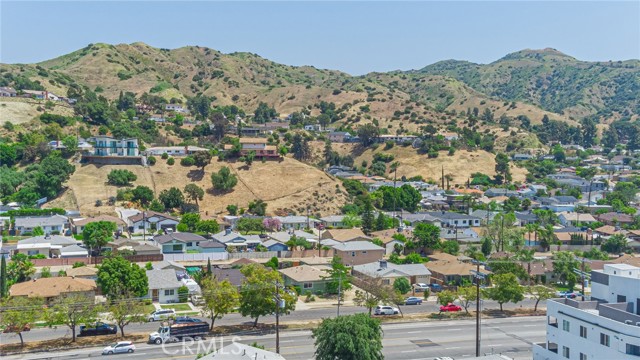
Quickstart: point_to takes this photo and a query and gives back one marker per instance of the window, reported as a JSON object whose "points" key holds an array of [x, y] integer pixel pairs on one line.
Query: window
{"points": [[169, 292], [189, 244], [633, 349], [566, 326], [364, 252], [307, 285], [177, 247], [583, 356], [605, 340], [583, 332], [565, 352], [353, 253], [33, 252]]}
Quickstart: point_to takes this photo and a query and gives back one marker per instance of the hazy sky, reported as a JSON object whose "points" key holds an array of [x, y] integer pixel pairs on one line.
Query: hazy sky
{"points": [[356, 37]]}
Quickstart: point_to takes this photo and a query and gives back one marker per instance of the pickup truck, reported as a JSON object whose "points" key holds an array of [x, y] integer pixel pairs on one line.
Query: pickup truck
{"points": [[98, 328]]}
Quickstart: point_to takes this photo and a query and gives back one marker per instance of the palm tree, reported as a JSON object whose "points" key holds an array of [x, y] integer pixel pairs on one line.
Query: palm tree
{"points": [[531, 228], [526, 255]]}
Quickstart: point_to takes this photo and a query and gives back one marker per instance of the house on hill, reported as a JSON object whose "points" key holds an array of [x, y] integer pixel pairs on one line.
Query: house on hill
{"points": [[306, 278], [179, 242], [332, 221], [389, 272], [8, 92], [259, 145], [52, 288], [151, 220], [174, 150], [357, 252], [77, 225], [615, 219], [344, 235], [47, 245], [50, 224]]}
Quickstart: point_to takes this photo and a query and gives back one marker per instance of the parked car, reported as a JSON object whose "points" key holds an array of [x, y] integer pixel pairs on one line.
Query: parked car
{"points": [[450, 308], [566, 294], [435, 287], [412, 301], [386, 310], [197, 300], [162, 314], [119, 348], [98, 328], [186, 319], [421, 287]]}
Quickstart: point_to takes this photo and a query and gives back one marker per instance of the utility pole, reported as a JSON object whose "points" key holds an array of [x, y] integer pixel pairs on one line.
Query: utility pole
{"points": [[278, 301], [339, 293], [478, 276]]}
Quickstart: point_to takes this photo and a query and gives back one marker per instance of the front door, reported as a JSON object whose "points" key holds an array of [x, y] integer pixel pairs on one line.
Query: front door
{"points": [[154, 295]]}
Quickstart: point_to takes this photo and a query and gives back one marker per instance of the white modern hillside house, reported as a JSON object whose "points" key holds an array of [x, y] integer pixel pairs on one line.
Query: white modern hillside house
{"points": [[606, 327]]}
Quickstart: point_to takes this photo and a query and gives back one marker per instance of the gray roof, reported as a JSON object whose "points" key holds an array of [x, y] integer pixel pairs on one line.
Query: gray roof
{"points": [[163, 279], [162, 265], [295, 219], [211, 244], [418, 217], [49, 239], [526, 216], [33, 221], [178, 236], [284, 236], [225, 237], [374, 269], [333, 218], [451, 215], [356, 246], [73, 249], [233, 275], [482, 214]]}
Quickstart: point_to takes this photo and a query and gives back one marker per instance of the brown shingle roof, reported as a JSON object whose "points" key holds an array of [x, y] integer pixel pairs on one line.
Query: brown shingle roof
{"points": [[343, 235], [305, 273], [82, 271], [113, 219], [52, 287]]}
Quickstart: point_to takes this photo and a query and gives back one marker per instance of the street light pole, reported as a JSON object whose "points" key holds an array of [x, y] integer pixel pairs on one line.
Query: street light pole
{"points": [[277, 318], [478, 311], [339, 293]]}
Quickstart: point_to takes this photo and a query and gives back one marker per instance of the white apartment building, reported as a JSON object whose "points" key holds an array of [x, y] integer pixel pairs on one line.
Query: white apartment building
{"points": [[606, 327]]}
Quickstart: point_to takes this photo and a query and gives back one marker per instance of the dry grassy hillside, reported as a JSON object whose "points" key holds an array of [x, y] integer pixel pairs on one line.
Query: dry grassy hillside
{"points": [[461, 165], [19, 111], [287, 186]]}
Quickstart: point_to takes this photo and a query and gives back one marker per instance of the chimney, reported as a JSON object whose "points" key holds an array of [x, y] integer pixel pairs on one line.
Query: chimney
{"points": [[227, 231], [383, 264]]}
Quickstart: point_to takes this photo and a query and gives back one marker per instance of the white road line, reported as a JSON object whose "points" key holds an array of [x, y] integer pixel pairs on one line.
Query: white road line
{"points": [[495, 345], [414, 332], [455, 347], [452, 329], [409, 351]]}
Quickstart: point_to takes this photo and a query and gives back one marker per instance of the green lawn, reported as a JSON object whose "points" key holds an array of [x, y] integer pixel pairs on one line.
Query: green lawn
{"points": [[177, 307]]}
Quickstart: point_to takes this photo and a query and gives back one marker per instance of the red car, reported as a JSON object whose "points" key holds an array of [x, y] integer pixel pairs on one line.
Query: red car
{"points": [[450, 308]]}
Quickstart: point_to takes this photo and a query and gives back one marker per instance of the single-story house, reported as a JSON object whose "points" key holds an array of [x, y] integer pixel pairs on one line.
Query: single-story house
{"points": [[493, 192], [179, 243], [146, 249], [357, 252], [614, 218], [168, 265], [446, 271], [332, 221], [174, 150], [47, 245], [236, 241], [574, 218], [389, 272], [211, 246], [234, 276], [163, 286], [50, 224], [51, 288], [77, 225], [386, 236], [151, 220], [284, 236], [558, 203], [452, 219], [297, 222], [83, 272], [275, 245], [414, 219], [239, 351], [345, 235], [306, 277], [73, 251]]}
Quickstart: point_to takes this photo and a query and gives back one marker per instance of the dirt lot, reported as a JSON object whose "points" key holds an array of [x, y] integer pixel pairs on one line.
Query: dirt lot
{"points": [[286, 184], [18, 111]]}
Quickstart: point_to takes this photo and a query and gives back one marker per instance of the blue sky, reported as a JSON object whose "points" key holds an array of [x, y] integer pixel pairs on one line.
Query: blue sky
{"points": [[355, 37]]}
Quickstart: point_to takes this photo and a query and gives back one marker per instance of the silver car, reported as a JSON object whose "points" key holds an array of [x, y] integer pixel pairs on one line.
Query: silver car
{"points": [[119, 348]]}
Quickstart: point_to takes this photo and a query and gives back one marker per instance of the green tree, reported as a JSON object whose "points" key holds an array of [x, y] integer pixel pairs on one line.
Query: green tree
{"points": [[351, 337], [202, 159], [117, 276], [367, 216], [467, 295], [220, 298], [126, 310], [427, 235], [413, 258], [171, 198], [564, 262], [208, 226], [37, 231], [446, 297], [45, 272], [183, 294], [200, 105], [17, 313], [259, 290], [451, 247], [97, 234], [368, 134], [402, 285], [615, 244], [156, 206], [121, 177], [142, 194], [257, 207], [191, 221], [272, 263], [264, 113], [73, 310], [505, 289], [502, 166], [486, 246], [371, 292], [3, 277], [339, 277], [300, 148], [20, 269], [224, 180], [540, 293]]}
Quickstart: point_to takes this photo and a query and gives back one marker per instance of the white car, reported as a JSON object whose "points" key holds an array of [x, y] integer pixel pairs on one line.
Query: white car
{"points": [[421, 287], [386, 310], [162, 314], [119, 348]]}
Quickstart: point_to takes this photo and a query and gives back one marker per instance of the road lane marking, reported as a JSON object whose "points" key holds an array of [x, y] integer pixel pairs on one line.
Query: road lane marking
{"points": [[455, 347]]}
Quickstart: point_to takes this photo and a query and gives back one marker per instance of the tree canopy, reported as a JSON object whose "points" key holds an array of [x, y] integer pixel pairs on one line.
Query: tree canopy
{"points": [[350, 337]]}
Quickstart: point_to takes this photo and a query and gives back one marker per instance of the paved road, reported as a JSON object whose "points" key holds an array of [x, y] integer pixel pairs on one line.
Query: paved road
{"points": [[402, 341], [235, 319]]}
